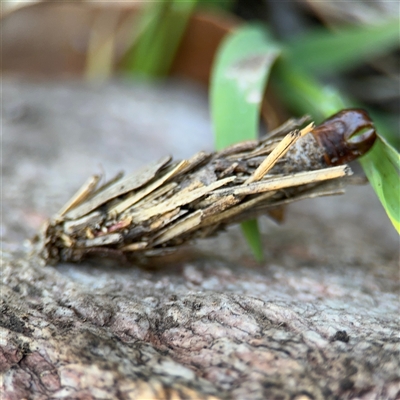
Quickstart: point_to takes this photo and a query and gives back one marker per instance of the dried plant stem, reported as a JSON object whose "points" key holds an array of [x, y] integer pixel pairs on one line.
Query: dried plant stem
{"points": [[279, 152], [81, 195]]}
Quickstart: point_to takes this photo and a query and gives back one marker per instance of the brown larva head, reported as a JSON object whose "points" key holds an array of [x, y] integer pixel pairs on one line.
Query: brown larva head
{"points": [[345, 136]]}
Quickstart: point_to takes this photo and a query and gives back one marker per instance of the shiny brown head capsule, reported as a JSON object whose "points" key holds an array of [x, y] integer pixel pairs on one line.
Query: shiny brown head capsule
{"points": [[345, 136]]}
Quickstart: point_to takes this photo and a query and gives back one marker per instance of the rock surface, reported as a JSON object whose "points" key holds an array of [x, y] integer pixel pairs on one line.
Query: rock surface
{"points": [[319, 319]]}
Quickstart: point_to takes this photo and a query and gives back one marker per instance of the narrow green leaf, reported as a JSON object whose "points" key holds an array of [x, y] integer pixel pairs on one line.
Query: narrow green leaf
{"points": [[382, 167], [303, 94], [238, 80], [251, 233], [161, 27], [323, 50], [387, 126]]}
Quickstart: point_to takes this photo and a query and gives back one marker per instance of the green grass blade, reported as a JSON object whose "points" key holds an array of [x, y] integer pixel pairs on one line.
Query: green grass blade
{"points": [[303, 94], [161, 26], [323, 50], [238, 80], [382, 167], [251, 232], [388, 127]]}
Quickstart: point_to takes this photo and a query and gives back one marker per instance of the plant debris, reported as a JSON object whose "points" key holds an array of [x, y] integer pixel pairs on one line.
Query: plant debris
{"points": [[167, 204]]}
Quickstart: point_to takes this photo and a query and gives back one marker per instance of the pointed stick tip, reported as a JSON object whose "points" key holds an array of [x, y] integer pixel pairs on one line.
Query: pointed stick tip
{"points": [[307, 129]]}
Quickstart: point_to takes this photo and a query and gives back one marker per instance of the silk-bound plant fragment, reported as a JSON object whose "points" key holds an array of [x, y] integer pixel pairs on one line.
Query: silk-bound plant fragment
{"points": [[170, 203]]}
